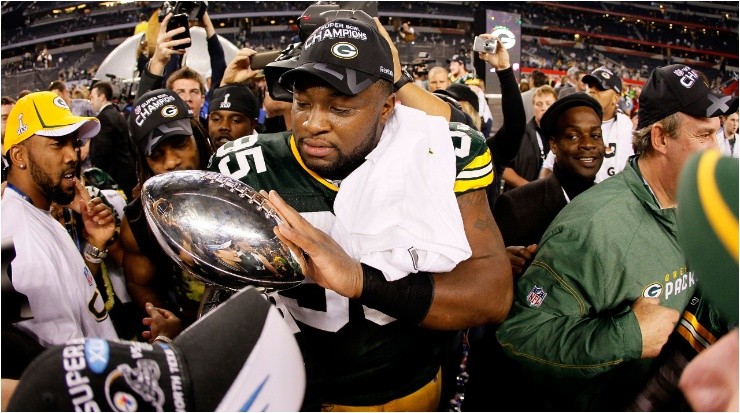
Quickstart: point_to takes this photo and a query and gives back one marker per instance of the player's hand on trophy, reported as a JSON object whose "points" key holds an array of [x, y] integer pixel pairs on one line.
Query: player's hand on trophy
{"points": [[320, 256]]}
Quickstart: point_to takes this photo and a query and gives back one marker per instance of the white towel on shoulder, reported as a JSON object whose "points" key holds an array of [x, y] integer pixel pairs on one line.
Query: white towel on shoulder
{"points": [[399, 205]]}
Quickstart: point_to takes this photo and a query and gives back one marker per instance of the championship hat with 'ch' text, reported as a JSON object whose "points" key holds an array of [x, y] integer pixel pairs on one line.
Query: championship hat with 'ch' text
{"points": [[679, 88], [157, 115], [240, 356], [347, 54], [45, 114]]}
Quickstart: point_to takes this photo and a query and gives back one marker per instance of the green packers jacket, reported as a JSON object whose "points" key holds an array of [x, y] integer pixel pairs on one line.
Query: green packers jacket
{"points": [[571, 327]]}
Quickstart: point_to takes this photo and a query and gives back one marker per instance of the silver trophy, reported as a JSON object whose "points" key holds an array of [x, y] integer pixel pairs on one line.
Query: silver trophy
{"points": [[220, 230]]}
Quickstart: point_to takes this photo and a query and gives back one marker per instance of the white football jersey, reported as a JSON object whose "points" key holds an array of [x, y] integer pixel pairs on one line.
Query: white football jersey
{"points": [[50, 271]]}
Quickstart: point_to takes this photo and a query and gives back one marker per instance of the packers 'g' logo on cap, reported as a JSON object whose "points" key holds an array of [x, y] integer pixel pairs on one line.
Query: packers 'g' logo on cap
{"points": [[58, 101], [653, 290], [169, 111], [344, 50]]}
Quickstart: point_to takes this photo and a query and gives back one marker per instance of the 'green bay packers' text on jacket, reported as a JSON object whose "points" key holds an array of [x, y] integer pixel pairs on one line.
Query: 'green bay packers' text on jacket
{"points": [[571, 326]]}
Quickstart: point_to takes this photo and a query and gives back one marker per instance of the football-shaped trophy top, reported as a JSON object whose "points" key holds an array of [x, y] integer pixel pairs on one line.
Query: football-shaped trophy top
{"points": [[219, 229]]}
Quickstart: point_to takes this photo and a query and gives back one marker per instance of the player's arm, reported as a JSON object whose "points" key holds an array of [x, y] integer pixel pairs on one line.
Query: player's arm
{"points": [[480, 289], [512, 178], [138, 269], [477, 291]]}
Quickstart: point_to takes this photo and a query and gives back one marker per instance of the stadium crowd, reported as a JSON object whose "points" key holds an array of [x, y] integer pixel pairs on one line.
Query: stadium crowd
{"points": [[451, 257]]}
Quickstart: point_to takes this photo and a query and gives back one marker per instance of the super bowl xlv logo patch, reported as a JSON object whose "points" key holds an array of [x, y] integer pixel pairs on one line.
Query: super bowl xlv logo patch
{"points": [[22, 127], [536, 296], [226, 104]]}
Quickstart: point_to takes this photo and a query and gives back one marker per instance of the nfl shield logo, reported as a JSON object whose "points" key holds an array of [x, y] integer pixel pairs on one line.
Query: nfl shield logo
{"points": [[536, 296], [88, 276]]}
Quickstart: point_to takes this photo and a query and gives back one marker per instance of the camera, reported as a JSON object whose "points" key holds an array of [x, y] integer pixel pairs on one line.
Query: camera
{"points": [[182, 13], [485, 45], [193, 10], [180, 20], [288, 59]]}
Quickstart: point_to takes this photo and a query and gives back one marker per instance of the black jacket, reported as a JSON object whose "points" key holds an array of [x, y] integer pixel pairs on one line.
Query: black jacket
{"points": [[113, 151], [528, 161], [524, 213]]}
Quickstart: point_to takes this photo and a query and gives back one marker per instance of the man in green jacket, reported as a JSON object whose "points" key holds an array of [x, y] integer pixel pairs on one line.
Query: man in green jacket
{"points": [[605, 290]]}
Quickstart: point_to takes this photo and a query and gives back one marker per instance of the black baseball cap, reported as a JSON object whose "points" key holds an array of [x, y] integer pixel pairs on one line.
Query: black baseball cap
{"points": [[603, 79], [241, 356], [549, 121], [461, 93], [347, 54], [235, 98], [679, 88], [157, 115], [458, 58]]}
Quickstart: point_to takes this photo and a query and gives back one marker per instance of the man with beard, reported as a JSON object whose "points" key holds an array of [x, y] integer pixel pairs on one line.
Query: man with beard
{"points": [[232, 113], [360, 175], [168, 139], [42, 144]]}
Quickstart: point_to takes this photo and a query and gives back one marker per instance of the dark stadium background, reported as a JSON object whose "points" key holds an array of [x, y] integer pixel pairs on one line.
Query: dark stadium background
{"points": [[632, 38]]}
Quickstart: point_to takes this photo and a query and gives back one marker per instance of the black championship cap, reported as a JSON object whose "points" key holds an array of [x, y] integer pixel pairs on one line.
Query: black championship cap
{"points": [[157, 115], [678, 88], [708, 227], [458, 58], [235, 98], [461, 93], [347, 54], [549, 121], [604, 79], [240, 356]]}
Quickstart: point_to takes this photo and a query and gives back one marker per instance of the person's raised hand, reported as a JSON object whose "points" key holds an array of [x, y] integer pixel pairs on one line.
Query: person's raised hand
{"points": [[166, 46], [394, 51], [499, 60], [239, 70], [656, 324], [98, 218]]}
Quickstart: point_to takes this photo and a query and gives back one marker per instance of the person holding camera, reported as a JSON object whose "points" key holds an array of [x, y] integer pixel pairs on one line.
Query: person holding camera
{"points": [[172, 44], [371, 323]]}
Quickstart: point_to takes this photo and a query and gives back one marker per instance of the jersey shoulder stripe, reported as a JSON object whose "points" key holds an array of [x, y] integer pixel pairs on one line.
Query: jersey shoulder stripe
{"points": [[474, 165]]}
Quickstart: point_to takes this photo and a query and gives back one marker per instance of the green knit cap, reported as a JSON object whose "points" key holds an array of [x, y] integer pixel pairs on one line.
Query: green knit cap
{"points": [[708, 226]]}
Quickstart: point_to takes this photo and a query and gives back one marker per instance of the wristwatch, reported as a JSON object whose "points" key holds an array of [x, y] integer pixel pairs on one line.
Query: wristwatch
{"points": [[406, 77], [93, 254]]}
